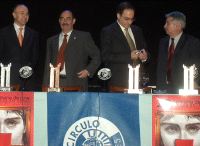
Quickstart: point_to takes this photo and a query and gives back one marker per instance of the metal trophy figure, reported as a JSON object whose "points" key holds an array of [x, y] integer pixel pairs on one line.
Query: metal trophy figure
{"points": [[188, 81], [133, 83], [104, 74], [5, 77], [25, 72], [54, 83]]}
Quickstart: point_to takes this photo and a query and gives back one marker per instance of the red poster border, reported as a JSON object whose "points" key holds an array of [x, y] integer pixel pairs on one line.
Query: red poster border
{"points": [[22, 101], [184, 104]]}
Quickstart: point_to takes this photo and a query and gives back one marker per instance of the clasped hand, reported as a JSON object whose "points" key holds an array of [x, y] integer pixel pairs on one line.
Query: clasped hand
{"points": [[139, 54]]}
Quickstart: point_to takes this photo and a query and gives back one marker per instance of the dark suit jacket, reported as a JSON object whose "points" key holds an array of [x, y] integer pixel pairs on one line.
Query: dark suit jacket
{"points": [[81, 53], [11, 52], [186, 52], [116, 53]]}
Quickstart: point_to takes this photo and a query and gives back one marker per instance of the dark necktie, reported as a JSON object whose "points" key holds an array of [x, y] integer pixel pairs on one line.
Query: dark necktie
{"points": [[60, 56], [129, 40], [169, 62]]}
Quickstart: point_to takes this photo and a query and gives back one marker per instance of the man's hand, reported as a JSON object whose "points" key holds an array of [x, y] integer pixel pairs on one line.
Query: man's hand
{"points": [[134, 54], [143, 55], [83, 74]]}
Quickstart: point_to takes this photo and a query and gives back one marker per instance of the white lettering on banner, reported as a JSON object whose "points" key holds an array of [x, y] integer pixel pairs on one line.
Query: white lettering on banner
{"points": [[91, 131]]}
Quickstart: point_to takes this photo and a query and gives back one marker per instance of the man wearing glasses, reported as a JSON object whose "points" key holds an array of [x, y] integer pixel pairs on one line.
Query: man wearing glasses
{"points": [[122, 43]]}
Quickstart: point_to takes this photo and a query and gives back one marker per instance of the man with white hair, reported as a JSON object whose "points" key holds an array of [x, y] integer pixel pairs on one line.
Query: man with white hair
{"points": [[176, 49]]}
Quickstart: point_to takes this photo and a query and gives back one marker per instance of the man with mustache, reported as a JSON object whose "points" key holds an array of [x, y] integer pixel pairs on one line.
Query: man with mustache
{"points": [[80, 57]]}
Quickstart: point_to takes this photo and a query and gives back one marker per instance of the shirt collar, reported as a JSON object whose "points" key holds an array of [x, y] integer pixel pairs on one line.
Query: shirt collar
{"points": [[68, 34], [176, 38], [17, 27], [123, 28]]}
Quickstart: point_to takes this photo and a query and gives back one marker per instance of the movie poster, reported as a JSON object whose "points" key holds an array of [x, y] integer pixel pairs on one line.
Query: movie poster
{"points": [[176, 120], [16, 118]]}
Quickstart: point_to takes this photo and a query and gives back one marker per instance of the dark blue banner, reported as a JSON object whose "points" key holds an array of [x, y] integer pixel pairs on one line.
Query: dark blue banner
{"points": [[93, 119]]}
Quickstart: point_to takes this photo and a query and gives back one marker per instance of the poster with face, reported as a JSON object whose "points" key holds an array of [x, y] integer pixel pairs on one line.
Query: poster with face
{"points": [[16, 118], [176, 120]]}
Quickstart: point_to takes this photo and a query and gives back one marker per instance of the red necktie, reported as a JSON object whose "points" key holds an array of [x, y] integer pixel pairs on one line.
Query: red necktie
{"points": [[60, 56], [169, 62]]}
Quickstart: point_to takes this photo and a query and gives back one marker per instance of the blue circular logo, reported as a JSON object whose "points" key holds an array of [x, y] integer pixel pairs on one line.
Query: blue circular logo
{"points": [[93, 131]]}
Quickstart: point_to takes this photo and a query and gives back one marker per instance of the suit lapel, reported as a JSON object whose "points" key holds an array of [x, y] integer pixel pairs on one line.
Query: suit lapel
{"points": [[14, 35], [72, 38], [119, 33], [165, 48], [26, 37], [55, 45], [135, 35], [180, 44]]}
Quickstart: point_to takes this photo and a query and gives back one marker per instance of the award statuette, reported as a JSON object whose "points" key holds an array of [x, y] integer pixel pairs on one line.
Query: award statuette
{"points": [[5, 77], [25, 72], [189, 73], [54, 78], [133, 83], [104, 74]]}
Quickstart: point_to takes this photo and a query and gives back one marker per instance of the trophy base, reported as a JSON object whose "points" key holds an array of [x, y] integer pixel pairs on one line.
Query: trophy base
{"points": [[5, 89], [135, 91], [188, 92], [53, 90]]}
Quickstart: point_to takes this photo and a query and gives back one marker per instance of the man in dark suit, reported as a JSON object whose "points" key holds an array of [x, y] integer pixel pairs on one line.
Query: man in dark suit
{"points": [[186, 50], [81, 56], [19, 46], [122, 43]]}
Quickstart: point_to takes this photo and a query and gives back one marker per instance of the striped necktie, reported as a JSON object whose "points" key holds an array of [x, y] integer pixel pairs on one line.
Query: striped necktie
{"points": [[60, 56]]}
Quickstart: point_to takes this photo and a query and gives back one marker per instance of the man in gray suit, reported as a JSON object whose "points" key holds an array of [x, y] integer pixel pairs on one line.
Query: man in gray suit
{"points": [[81, 55]]}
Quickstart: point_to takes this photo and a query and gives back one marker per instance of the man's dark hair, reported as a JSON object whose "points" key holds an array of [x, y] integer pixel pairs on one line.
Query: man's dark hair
{"points": [[68, 11], [124, 5]]}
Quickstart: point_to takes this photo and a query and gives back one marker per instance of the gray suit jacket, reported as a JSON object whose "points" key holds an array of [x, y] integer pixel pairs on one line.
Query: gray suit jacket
{"points": [[81, 53]]}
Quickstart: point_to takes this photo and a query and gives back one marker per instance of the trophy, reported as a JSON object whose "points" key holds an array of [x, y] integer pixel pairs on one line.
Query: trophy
{"points": [[188, 81], [5, 77], [25, 72], [133, 86], [54, 78], [104, 74]]}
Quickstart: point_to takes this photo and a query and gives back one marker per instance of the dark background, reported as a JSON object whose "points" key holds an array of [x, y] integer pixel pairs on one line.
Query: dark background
{"points": [[92, 15]]}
